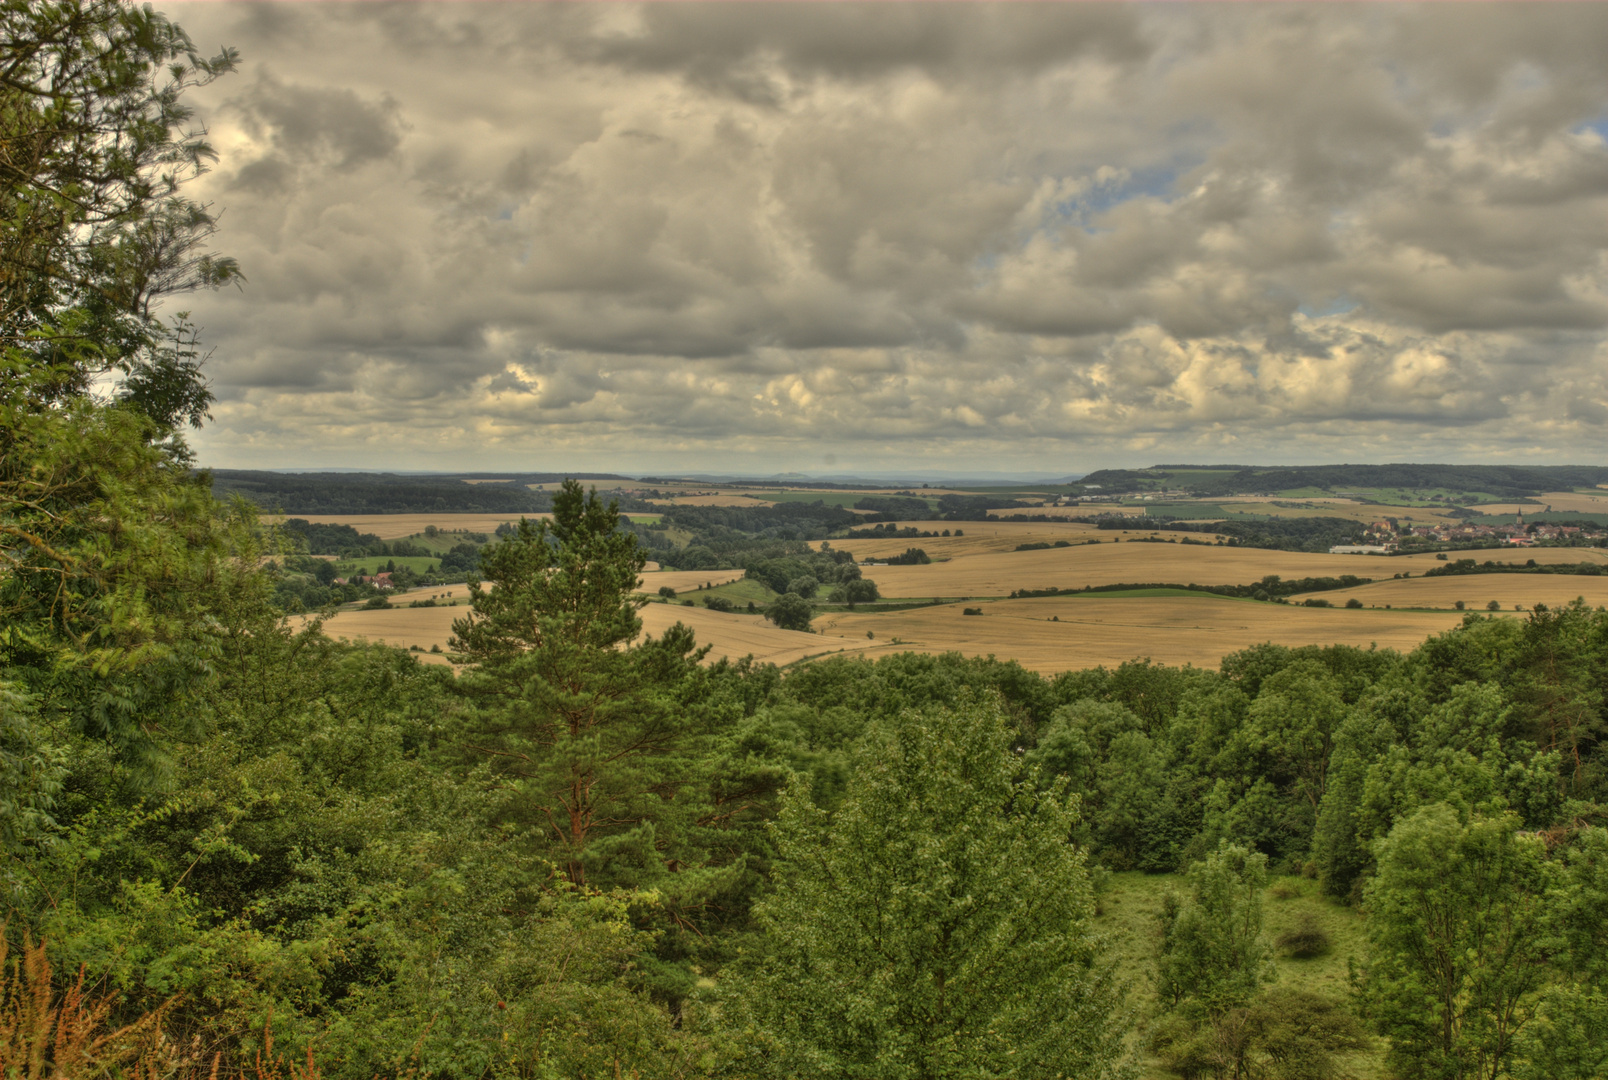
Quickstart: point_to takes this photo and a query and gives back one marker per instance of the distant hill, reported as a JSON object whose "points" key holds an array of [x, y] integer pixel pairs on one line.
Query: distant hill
{"points": [[1492, 481], [384, 493]]}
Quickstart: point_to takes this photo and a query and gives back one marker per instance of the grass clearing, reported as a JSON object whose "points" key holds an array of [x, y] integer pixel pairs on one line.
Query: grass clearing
{"points": [[1129, 913]]}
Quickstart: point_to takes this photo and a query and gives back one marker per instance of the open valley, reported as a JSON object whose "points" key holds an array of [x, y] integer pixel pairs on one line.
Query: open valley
{"points": [[980, 569]]}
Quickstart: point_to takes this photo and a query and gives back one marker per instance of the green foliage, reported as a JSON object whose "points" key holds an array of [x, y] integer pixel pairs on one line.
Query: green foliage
{"points": [[790, 611], [1283, 1034], [935, 925], [599, 735], [1458, 941], [95, 146], [1212, 955]]}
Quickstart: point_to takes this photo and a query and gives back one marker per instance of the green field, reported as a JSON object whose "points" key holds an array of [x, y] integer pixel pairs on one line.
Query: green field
{"points": [[1423, 497], [1129, 910], [738, 592]]}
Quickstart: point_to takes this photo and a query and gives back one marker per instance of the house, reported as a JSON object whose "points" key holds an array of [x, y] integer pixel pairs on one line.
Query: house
{"points": [[381, 580]]}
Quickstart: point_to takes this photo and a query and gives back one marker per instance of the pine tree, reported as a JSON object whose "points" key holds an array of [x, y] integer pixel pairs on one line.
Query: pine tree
{"points": [[608, 739], [937, 925]]}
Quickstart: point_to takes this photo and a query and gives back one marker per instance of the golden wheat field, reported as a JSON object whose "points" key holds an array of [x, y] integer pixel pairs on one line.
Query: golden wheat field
{"points": [[1096, 630], [1476, 591], [708, 500], [1000, 573], [1579, 502], [982, 537], [730, 635], [685, 580]]}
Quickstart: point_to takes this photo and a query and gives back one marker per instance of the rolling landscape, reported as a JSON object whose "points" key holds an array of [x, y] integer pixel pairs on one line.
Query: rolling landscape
{"points": [[1045, 540]]}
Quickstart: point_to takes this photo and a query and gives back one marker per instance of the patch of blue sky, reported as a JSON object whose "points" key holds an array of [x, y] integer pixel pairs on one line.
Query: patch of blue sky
{"points": [[1079, 211], [1597, 125]]}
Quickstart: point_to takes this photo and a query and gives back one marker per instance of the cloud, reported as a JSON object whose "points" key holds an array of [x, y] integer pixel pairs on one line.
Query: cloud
{"points": [[934, 233]]}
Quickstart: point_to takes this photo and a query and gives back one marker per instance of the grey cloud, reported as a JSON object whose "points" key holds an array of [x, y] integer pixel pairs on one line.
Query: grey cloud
{"points": [[330, 127], [1001, 229]]}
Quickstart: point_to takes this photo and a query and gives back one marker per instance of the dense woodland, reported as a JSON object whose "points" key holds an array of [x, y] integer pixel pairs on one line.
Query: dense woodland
{"points": [[385, 493], [231, 846]]}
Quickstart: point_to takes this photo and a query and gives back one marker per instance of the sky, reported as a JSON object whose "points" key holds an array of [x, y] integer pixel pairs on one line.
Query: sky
{"points": [[846, 237]]}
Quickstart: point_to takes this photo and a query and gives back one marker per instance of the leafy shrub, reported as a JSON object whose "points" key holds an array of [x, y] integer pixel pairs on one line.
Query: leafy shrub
{"points": [[667, 592], [1304, 940], [377, 602], [1353, 603], [718, 603], [972, 611]]}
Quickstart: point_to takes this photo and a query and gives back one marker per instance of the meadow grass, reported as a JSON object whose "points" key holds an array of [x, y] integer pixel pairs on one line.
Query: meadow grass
{"points": [[1129, 912]]}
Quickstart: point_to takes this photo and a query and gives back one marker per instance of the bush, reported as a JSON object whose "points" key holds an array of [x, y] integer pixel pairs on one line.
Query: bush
{"points": [[805, 586], [718, 603], [1353, 603], [1494, 605], [1304, 940], [790, 612], [377, 602], [1316, 602], [972, 611], [667, 592]]}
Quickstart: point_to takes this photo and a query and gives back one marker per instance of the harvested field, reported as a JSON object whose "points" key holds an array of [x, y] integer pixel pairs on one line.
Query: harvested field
{"points": [[1475, 590], [1564, 502], [999, 574], [735, 636], [1096, 630], [708, 500], [685, 580], [982, 537], [397, 526]]}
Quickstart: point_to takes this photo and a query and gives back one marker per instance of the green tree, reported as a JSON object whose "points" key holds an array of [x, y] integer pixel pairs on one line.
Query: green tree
{"points": [[790, 611], [1568, 1039], [935, 925], [859, 591], [94, 150], [604, 736], [1457, 938], [1213, 956]]}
